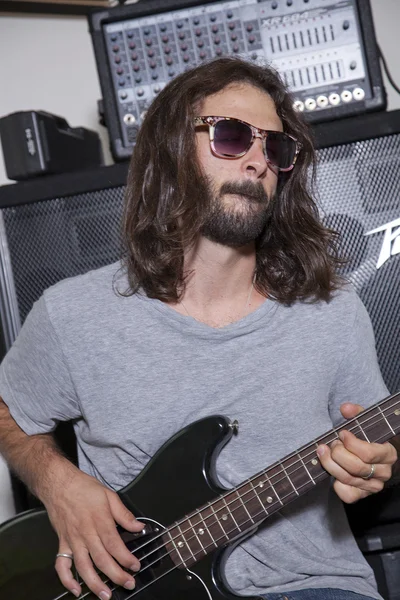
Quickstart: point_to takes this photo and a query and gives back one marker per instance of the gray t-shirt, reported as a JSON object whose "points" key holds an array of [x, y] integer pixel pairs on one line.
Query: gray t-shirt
{"points": [[131, 372]]}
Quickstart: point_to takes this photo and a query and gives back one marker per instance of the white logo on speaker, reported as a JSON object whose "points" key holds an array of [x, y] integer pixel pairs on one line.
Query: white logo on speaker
{"points": [[391, 241]]}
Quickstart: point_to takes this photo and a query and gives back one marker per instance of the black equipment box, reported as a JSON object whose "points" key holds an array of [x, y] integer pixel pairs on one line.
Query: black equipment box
{"points": [[39, 143]]}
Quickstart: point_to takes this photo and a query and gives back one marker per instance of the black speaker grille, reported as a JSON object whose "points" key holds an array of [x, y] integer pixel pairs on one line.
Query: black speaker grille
{"points": [[62, 237], [359, 191]]}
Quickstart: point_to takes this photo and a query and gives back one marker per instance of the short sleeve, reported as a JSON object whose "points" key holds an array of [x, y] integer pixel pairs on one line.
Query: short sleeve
{"points": [[35, 382], [358, 378]]}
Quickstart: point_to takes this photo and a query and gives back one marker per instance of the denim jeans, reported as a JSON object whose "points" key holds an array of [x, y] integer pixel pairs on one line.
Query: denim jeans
{"points": [[318, 594]]}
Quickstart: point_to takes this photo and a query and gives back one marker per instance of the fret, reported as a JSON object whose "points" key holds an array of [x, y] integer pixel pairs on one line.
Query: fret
{"points": [[282, 485], [228, 515], [305, 467], [275, 492], [216, 521], [172, 547], [314, 467], [244, 506], [362, 430], [258, 497], [376, 426], [386, 421], [393, 416], [287, 475], [265, 494], [203, 529], [249, 500], [187, 541], [197, 536], [299, 474]]}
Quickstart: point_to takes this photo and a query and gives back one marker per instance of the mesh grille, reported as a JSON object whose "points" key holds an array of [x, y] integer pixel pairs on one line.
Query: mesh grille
{"points": [[358, 190], [54, 239]]}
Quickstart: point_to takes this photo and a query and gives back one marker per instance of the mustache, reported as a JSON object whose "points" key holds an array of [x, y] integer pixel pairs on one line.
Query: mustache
{"points": [[250, 189]]}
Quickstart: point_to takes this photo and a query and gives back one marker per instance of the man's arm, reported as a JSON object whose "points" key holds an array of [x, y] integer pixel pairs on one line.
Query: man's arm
{"points": [[26, 455], [82, 511]]}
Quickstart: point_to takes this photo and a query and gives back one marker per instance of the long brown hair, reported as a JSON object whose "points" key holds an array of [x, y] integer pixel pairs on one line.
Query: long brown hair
{"points": [[166, 196]]}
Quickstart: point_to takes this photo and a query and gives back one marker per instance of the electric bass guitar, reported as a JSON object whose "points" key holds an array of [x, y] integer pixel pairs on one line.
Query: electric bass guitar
{"points": [[183, 546]]}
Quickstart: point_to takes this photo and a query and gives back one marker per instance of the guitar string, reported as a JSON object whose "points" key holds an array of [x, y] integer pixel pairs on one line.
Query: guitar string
{"points": [[269, 481]]}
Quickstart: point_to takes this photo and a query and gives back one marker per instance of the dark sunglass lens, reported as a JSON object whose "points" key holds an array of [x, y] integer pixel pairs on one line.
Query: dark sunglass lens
{"points": [[281, 149], [231, 138]]}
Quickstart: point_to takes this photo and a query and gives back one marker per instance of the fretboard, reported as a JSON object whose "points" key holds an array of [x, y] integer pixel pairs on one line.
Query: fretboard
{"points": [[233, 514]]}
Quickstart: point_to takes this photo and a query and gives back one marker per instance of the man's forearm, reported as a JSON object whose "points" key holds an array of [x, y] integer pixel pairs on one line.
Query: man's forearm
{"points": [[36, 459]]}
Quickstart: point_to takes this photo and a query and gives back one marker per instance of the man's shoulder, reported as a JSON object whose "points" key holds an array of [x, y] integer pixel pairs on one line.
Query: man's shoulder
{"points": [[87, 295], [342, 308], [100, 280]]}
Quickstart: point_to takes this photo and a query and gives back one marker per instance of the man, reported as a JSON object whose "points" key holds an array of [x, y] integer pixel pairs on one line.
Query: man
{"points": [[228, 303]]}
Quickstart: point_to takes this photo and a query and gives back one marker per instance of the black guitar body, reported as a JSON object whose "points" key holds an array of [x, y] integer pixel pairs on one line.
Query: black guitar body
{"points": [[178, 480]]}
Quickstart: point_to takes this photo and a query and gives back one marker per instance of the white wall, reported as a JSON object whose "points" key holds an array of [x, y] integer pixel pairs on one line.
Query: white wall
{"points": [[47, 62]]}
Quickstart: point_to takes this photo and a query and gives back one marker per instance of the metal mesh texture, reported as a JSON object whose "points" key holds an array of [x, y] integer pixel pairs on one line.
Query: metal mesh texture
{"points": [[59, 238], [358, 190]]}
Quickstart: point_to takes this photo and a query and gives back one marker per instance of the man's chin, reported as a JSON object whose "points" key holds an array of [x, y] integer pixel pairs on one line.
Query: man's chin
{"points": [[240, 201]]}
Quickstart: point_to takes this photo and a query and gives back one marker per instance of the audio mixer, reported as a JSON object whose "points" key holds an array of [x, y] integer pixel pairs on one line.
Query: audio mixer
{"points": [[317, 46]]}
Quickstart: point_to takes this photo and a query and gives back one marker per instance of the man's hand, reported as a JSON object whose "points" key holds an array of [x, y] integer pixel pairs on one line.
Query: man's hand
{"points": [[84, 514], [349, 460]]}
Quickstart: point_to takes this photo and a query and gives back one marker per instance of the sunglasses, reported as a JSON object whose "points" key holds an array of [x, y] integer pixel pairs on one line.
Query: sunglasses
{"points": [[232, 138]]}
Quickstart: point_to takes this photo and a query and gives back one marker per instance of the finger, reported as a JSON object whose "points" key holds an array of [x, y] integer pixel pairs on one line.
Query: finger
{"points": [[110, 568], [64, 571], [370, 453], [123, 515], [92, 579], [350, 410], [338, 472], [115, 547], [348, 493]]}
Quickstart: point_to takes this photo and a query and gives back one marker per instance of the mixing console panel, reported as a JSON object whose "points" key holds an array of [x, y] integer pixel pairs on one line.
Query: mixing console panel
{"points": [[316, 45]]}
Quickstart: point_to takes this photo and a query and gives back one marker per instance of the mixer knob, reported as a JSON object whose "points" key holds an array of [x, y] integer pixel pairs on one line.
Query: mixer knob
{"points": [[310, 104]]}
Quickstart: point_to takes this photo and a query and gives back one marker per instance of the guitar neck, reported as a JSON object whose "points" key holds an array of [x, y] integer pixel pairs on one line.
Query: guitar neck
{"points": [[244, 507]]}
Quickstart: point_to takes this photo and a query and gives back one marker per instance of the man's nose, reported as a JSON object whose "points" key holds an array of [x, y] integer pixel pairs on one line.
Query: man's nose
{"points": [[255, 160]]}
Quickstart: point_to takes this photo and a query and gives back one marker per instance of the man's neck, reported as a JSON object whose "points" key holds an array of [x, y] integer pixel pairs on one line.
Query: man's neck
{"points": [[219, 286]]}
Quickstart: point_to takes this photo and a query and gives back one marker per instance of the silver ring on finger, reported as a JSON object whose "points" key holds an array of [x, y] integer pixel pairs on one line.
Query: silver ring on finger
{"points": [[371, 474], [65, 555]]}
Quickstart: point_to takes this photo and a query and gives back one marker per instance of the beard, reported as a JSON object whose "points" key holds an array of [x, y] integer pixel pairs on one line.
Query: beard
{"points": [[236, 226]]}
